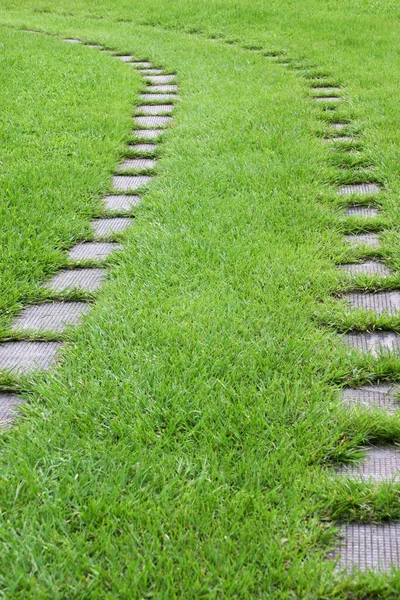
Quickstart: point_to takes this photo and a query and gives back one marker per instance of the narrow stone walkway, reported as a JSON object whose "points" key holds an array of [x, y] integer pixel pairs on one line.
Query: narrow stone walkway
{"points": [[132, 175]]}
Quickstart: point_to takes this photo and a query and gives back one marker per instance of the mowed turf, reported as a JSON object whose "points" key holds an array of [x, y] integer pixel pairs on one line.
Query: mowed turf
{"points": [[183, 447]]}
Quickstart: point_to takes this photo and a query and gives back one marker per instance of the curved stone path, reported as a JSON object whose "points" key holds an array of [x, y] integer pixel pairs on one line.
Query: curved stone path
{"points": [[153, 115]]}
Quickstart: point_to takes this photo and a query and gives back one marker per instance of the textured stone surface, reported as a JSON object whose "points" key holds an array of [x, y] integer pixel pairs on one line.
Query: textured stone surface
{"points": [[25, 357], [338, 126], [137, 164], [125, 58], [153, 121], [379, 464], [106, 227], [378, 302], [83, 279], [363, 239], [151, 71], [138, 148], [121, 202], [148, 134], [383, 397], [72, 41], [92, 250], [327, 98], [326, 89], [141, 65], [161, 88], [369, 267], [155, 109], [51, 316], [8, 408], [358, 188], [126, 183], [160, 79], [374, 343], [368, 546], [361, 211], [157, 97]]}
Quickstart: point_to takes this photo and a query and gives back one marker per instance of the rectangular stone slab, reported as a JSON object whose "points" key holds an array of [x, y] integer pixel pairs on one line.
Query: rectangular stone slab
{"points": [[142, 148], [363, 239], [382, 397], [160, 79], [368, 546], [338, 126], [151, 71], [343, 138], [72, 41], [153, 121], [326, 89], [157, 97], [120, 202], [155, 109], [379, 464], [374, 343], [8, 408], [25, 357], [106, 227], [369, 267], [137, 164], [161, 88], [125, 58], [378, 302], [361, 211], [92, 250], [327, 98], [50, 316], [358, 188], [148, 134], [87, 280], [140, 65], [126, 183]]}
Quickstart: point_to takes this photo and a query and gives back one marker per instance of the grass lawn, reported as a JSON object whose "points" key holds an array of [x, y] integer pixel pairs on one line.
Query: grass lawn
{"points": [[184, 446]]}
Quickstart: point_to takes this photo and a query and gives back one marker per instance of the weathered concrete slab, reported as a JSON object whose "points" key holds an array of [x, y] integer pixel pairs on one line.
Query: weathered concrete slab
{"points": [[157, 97], [378, 302], [379, 464], [88, 280], [153, 121], [382, 397], [125, 183], [50, 316], [369, 267], [106, 227], [155, 109], [160, 79], [358, 188], [25, 357], [125, 58], [148, 134], [361, 211], [120, 202], [93, 250], [374, 343], [363, 239], [137, 164], [161, 88], [142, 148], [9, 404]]}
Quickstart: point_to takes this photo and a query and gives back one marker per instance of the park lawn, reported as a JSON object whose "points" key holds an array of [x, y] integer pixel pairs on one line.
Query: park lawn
{"points": [[184, 446]]}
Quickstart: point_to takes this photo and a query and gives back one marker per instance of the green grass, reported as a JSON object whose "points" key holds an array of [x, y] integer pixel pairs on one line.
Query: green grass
{"points": [[184, 447]]}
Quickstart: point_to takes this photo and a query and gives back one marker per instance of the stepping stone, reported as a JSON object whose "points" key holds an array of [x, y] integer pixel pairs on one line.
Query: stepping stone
{"points": [[123, 203], [92, 250], [106, 227], [25, 357], [363, 239], [153, 121], [378, 302], [124, 58], [139, 65], [157, 97], [87, 280], [151, 71], [137, 164], [93, 46], [72, 41], [378, 464], [339, 126], [342, 138], [148, 134], [8, 408], [361, 211], [326, 89], [368, 546], [155, 109], [142, 148], [358, 188], [126, 183], [369, 267], [382, 397], [160, 79], [327, 98], [51, 316], [374, 343], [161, 88]]}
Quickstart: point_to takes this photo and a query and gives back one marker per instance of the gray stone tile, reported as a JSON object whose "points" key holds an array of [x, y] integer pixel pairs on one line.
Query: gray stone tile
{"points": [[25, 357], [340, 139], [8, 408], [155, 109], [138, 148], [327, 98], [382, 397], [124, 183], [141, 65], [369, 267], [120, 203], [153, 121], [51, 316], [151, 71], [160, 79], [106, 227], [363, 239], [157, 97], [379, 464], [374, 343], [72, 41], [148, 134], [378, 302], [330, 90], [338, 126], [93, 250], [361, 211], [161, 88], [137, 164], [358, 188], [368, 546], [125, 58], [87, 280]]}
